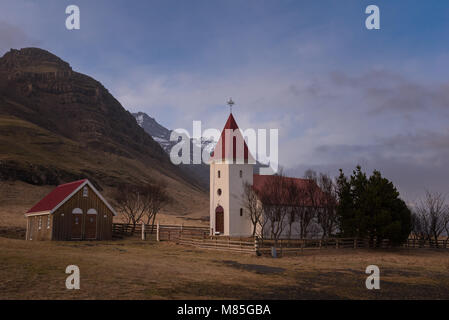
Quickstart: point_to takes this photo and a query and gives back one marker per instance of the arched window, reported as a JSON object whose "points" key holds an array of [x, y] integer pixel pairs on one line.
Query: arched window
{"points": [[92, 211], [241, 173], [77, 211], [241, 211], [219, 192], [85, 191], [218, 173]]}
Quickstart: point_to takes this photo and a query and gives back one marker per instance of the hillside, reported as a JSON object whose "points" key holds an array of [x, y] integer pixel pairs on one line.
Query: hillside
{"points": [[57, 125]]}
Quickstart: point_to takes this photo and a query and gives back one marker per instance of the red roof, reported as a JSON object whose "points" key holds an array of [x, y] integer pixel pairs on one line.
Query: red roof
{"points": [[51, 200], [259, 182], [223, 146]]}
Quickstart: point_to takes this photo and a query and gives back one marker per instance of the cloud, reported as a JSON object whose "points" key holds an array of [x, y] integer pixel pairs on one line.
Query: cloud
{"points": [[389, 92], [413, 162], [14, 37], [377, 118]]}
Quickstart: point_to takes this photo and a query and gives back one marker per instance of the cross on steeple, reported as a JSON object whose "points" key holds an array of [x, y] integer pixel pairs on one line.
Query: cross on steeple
{"points": [[230, 104]]}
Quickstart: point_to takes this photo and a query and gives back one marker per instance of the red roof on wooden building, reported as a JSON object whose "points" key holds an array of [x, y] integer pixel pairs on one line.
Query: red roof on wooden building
{"points": [[259, 181], [59, 194]]}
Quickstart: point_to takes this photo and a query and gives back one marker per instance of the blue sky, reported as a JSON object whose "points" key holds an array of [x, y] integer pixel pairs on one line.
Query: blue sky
{"points": [[339, 93]]}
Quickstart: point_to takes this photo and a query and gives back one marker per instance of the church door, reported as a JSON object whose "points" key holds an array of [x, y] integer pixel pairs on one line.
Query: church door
{"points": [[219, 219]]}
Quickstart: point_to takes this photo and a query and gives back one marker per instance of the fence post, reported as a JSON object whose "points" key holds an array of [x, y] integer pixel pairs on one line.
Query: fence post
{"points": [[158, 232], [256, 244], [143, 231]]}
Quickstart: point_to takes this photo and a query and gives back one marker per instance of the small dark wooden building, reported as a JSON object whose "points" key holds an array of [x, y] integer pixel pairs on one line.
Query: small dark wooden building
{"points": [[72, 211]]}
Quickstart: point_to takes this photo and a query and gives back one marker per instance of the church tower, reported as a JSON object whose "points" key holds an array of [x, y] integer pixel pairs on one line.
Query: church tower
{"points": [[231, 166]]}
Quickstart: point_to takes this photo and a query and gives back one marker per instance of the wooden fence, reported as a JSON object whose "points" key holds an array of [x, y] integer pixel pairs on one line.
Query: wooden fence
{"points": [[199, 237], [296, 246], [158, 231], [420, 243], [221, 243]]}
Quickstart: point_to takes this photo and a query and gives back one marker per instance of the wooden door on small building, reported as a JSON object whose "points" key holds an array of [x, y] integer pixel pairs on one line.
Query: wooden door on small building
{"points": [[76, 224], [219, 219], [91, 224]]}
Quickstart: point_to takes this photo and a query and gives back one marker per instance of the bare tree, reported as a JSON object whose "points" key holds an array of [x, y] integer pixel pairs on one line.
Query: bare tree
{"points": [[309, 202], [274, 197], [432, 216], [327, 215], [299, 210], [155, 198], [253, 207], [262, 224], [130, 201], [417, 226]]}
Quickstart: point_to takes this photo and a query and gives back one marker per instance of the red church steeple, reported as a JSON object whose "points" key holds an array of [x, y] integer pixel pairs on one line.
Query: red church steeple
{"points": [[231, 139]]}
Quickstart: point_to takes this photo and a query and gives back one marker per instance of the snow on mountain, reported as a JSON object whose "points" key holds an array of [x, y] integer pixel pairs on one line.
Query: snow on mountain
{"points": [[161, 135]]}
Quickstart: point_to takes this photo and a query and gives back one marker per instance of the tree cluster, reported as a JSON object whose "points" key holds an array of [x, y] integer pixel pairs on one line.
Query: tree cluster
{"points": [[354, 206], [430, 218], [371, 208], [139, 204], [283, 207]]}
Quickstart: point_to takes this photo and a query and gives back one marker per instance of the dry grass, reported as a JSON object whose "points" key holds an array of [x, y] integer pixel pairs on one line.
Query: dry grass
{"points": [[133, 269]]}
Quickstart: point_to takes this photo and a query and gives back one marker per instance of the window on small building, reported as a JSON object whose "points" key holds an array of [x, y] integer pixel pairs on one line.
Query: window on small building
{"points": [[48, 222], [241, 173], [40, 223], [219, 192], [241, 211], [85, 191], [218, 173]]}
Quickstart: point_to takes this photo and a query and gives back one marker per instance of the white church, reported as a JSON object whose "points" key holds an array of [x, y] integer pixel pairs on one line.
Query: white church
{"points": [[231, 166]]}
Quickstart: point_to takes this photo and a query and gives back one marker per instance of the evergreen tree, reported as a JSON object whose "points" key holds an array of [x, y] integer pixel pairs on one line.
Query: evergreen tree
{"points": [[371, 207]]}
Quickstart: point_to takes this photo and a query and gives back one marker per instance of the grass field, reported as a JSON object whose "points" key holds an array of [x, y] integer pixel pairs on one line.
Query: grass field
{"points": [[134, 269]]}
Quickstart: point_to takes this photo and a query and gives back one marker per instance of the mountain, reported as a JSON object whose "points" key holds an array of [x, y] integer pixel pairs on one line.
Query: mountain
{"points": [[152, 127], [162, 136], [58, 125], [159, 133]]}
